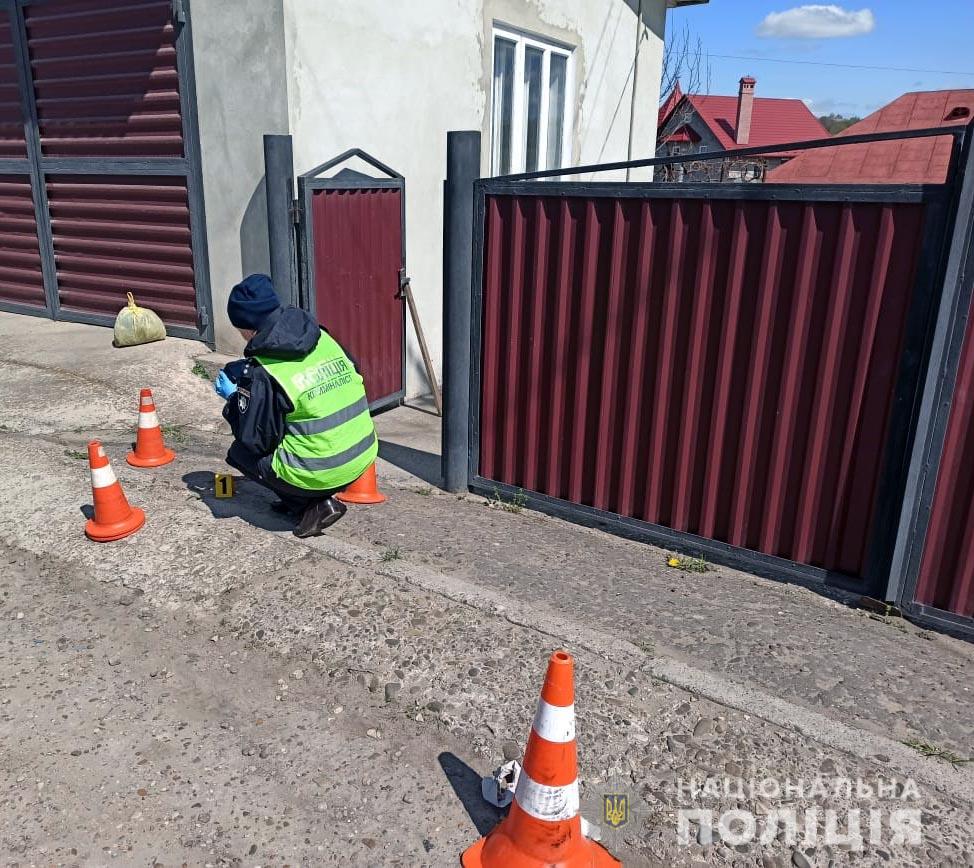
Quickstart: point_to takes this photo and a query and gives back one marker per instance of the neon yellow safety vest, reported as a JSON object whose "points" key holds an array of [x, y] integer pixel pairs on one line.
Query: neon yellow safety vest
{"points": [[329, 439]]}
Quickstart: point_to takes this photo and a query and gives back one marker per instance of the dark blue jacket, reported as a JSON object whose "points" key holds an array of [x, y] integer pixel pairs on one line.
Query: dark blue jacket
{"points": [[257, 409]]}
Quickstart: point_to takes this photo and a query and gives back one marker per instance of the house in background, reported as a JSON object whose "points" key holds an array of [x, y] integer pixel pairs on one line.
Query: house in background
{"points": [[693, 123], [131, 134], [910, 161]]}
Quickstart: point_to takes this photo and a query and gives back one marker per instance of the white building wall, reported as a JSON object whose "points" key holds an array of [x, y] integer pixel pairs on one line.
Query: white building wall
{"points": [[238, 55], [604, 35], [393, 77], [390, 78]]}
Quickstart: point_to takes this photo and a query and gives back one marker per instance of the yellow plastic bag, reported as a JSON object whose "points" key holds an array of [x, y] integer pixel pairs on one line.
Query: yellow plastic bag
{"points": [[137, 325]]}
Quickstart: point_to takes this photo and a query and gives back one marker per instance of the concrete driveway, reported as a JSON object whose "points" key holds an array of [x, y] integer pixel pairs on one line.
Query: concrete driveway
{"points": [[213, 691]]}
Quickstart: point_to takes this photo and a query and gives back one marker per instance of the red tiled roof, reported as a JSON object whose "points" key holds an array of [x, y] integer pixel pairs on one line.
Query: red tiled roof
{"points": [[910, 161], [773, 121], [669, 104], [684, 134]]}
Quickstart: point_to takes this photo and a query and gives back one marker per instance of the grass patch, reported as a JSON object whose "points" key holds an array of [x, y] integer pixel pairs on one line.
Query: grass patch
{"points": [[76, 454], [200, 371], [880, 607], [646, 646], [424, 492], [688, 564], [925, 748], [391, 554], [174, 433], [514, 505]]}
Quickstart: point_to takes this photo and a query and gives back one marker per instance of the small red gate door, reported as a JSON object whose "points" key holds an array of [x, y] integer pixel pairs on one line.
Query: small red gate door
{"points": [[353, 260]]}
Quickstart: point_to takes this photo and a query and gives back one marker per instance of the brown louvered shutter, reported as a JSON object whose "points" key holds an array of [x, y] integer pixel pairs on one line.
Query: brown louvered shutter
{"points": [[20, 259], [21, 282], [12, 143], [105, 84], [105, 78], [115, 234]]}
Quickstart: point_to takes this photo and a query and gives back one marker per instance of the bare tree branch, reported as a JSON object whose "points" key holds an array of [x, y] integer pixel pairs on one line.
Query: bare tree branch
{"points": [[684, 63]]}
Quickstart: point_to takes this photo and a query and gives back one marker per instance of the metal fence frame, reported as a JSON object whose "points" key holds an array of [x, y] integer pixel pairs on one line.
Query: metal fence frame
{"points": [[37, 167], [906, 411], [941, 376], [312, 181]]}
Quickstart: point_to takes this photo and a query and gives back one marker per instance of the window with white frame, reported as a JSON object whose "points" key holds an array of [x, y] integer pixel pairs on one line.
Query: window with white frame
{"points": [[531, 104]]}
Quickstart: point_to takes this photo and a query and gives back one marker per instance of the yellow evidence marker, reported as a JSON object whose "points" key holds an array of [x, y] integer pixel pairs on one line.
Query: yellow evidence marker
{"points": [[223, 484]]}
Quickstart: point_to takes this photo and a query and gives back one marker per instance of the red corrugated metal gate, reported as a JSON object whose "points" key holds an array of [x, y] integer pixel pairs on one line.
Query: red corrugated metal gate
{"points": [[353, 263], [731, 369], [932, 573], [99, 168], [724, 368], [946, 579]]}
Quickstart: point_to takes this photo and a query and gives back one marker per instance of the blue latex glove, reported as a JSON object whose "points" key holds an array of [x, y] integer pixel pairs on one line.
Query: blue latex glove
{"points": [[224, 386]]}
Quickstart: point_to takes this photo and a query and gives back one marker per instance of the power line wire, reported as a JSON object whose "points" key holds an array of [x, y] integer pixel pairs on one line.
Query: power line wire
{"points": [[840, 65]]}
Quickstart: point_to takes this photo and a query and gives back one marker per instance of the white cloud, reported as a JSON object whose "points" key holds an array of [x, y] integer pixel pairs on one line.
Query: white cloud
{"points": [[817, 22], [819, 106]]}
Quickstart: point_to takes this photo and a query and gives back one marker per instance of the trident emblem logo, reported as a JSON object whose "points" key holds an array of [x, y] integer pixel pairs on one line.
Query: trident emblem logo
{"points": [[615, 809]]}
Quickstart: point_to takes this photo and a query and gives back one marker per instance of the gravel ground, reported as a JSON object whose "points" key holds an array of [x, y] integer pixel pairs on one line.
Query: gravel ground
{"points": [[815, 650], [211, 691], [432, 678], [136, 735]]}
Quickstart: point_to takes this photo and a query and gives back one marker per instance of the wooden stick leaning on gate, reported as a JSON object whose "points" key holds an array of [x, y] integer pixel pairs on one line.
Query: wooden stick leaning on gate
{"points": [[406, 290]]}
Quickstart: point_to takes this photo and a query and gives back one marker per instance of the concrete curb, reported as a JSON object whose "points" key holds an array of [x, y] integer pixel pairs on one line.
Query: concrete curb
{"points": [[956, 781]]}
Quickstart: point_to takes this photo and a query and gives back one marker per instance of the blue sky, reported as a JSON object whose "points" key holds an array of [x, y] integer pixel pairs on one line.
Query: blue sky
{"points": [[932, 35]]}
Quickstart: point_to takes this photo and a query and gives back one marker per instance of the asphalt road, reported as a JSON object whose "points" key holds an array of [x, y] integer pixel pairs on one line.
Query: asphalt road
{"points": [[135, 736], [213, 691]]}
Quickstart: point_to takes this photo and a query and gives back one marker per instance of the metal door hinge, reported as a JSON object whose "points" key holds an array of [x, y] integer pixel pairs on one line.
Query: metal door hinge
{"points": [[297, 212], [178, 11], [204, 319], [404, 283]]}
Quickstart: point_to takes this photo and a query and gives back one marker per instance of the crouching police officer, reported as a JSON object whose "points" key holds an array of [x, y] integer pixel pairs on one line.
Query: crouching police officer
{"points": [[297, 408]]}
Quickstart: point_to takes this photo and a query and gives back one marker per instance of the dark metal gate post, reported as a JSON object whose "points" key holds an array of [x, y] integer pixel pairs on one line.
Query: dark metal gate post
{"points": [[279, 181], [938, 393], [462, 169]]}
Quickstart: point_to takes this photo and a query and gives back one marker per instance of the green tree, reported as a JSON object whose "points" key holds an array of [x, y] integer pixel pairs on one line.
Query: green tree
{"points": [[835, 123]]}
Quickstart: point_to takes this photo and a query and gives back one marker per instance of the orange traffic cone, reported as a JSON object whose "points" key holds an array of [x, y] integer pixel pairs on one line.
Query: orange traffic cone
{"points": [[150, 451], [114, 518], [544, 827], [365, 489]]}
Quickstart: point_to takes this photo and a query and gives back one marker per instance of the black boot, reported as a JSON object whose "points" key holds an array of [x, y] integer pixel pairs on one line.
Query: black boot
{"points": [[318, 516], [282, 507]]}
